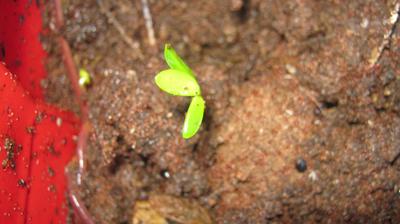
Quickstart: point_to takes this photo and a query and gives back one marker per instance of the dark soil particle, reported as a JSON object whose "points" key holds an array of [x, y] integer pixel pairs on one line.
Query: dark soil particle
{"points": [[301, 165], [302, 121]]}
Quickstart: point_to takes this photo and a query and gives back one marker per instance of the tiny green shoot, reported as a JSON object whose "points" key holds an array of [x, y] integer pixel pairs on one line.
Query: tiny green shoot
{"points": [[180, 80], [84, 78]]}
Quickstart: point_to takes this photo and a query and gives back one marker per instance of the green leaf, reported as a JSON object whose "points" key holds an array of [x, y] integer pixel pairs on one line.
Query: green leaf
{"points": [[194, 117], [174, 61], [177, 83]]}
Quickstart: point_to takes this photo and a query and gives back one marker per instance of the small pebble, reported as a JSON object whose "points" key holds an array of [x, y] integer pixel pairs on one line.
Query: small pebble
{"points": [[165, 174], [291, 69], [313, 176], [301, 165], [365, 22]]}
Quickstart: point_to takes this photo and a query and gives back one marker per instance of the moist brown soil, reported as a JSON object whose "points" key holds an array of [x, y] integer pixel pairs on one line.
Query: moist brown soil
{"points": [[284, 82]]}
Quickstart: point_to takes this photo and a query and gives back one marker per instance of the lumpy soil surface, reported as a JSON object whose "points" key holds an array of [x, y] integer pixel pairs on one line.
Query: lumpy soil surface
{"points": [[302, 121]]}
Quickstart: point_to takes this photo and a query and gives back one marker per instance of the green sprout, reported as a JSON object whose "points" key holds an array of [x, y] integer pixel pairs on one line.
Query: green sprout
{"points": [[179, 80], [84, 77]]}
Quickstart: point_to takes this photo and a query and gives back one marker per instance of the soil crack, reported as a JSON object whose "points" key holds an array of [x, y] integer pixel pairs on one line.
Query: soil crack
{"points": [[387, 39]]}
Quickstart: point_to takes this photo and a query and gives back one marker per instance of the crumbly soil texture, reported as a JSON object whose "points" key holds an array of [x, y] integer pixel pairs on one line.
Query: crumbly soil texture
{"points": [[302, 121]]}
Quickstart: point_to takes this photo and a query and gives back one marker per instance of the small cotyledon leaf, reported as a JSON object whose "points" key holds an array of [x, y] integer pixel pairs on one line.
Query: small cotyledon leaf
{"points": [[177, 83], [194, 117], [174, 61]]}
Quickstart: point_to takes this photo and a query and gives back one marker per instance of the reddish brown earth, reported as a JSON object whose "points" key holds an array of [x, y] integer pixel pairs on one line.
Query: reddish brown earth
{"points": [[284, 81]]}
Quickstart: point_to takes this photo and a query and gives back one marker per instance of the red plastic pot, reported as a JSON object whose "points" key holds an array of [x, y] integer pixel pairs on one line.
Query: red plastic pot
{"points": [[36, 140]]}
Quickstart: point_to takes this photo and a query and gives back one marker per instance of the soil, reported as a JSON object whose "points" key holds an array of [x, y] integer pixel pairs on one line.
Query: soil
{"points": [[302, 120]]}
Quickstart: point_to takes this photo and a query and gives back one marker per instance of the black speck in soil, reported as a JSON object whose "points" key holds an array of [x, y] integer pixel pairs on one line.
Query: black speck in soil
{"points": [[243, 12], [301, 165], [120, 140], [165, 174], [116, 164], [328, 104]]}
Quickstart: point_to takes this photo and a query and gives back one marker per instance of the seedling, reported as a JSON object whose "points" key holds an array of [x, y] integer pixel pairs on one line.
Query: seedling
{"points": [[84, 78], [179, 80]]}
